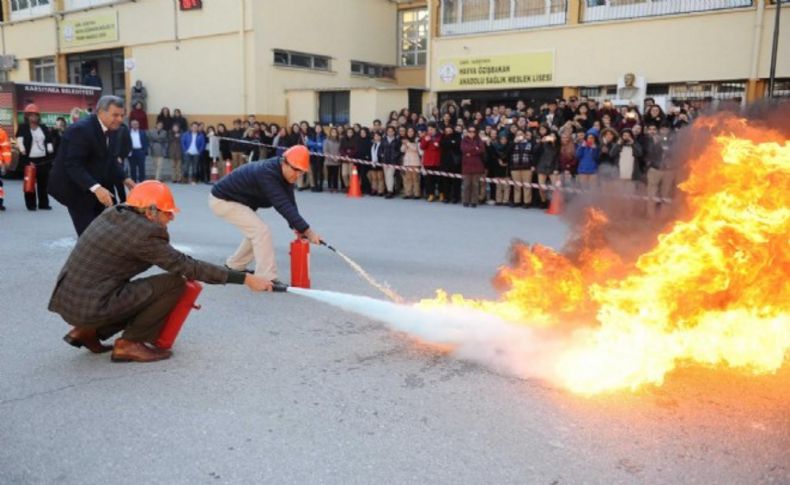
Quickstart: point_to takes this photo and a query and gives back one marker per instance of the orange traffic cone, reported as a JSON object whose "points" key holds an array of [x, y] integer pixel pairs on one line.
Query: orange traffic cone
{"points": [[214, 173], [354, 188], [556, 206], [228, 167]]}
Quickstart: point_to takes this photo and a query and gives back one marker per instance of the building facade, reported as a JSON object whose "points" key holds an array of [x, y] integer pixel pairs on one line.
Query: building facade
{"points": [[215, 60], [355, 60], [497, 51]]}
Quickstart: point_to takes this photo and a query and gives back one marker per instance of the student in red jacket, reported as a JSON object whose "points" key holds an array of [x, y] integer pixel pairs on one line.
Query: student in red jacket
{"points": [[472, 166], [432, 160]]}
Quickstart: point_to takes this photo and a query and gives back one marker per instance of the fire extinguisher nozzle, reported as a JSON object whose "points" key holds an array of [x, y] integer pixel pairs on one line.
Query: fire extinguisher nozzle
{"points": [[323, 243], [279, 287]]}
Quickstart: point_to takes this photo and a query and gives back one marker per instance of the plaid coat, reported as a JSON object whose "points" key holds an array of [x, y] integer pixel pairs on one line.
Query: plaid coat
{"points": [[95, 287]]}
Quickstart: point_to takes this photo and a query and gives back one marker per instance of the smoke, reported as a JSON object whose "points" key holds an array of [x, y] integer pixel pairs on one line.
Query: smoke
{"points": [[473, 335]]}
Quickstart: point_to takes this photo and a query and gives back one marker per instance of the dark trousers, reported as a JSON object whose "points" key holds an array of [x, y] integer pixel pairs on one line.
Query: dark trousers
{"points": [[432, 184], [137, 165], [471, 188], [317, 167], [2, 193], [120, 189], [334, 175], [451, 188], [204, 167], [42, 180], [190, 166], [84, 212], [144, 322], [363, 177]]}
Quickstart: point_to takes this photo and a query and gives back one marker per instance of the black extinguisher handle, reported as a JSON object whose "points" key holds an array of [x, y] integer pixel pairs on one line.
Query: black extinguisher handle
{"points": [[323, 243]]}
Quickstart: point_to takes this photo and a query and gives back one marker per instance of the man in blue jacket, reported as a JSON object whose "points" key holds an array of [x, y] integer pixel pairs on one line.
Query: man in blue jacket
{"points": [[139, 151], [84, 173], [192, 145], [263, 184]]}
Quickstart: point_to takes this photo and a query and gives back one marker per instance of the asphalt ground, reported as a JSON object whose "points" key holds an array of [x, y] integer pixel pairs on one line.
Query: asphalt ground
{"points": [[276, 388]]}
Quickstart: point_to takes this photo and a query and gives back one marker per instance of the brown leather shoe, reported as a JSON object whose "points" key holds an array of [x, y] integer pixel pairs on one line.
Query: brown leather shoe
{"points": [[81, 336], [128, 351]]}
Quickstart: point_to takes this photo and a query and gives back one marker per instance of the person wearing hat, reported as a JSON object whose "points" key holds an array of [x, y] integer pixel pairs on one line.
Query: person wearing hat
{"points": [[262, 184], [34, 142], [95, 291]]}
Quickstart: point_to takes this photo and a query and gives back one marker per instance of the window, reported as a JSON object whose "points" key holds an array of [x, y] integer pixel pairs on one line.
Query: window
{"points": [[475, 16], [43, 70], [301, 60], [413, 28], [372, 70], [75, 4], [333, 107], [602, 10], [22, 9]]}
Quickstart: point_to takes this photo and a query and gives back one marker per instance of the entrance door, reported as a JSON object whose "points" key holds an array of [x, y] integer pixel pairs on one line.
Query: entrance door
{"points": [[109, 67]]}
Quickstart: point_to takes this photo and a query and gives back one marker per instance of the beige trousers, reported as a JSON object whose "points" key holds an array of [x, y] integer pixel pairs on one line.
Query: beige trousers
{"points": [[411, 183], [158, 168], [345, 173], [376, 178], [525, 177], [236, 159], [542, 180], [257, 243], [660, 183]]}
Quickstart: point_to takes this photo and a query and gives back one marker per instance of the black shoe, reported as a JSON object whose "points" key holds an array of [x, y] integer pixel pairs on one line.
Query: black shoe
{"points": [[46, 208], [245, 270], [474, 206], [31, 208], [466, 205], [2, 208]]}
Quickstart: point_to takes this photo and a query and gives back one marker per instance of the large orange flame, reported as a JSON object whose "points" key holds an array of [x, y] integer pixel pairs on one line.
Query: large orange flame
{"points": [[713, 290]]}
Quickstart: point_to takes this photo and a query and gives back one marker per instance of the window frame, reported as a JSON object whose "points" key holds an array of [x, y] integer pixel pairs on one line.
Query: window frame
{"points": [[372, 70], [311, 57], [415, 52], [33, 8], [39, 65]]}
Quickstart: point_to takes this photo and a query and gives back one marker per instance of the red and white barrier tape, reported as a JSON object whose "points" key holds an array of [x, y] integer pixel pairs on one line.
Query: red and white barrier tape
{"points": [[441, 173]]}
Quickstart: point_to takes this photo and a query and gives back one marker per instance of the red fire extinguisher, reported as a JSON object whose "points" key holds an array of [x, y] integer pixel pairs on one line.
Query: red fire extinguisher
{"points": [[29, 185], [300, 262], [178, 315], [228, 167]]}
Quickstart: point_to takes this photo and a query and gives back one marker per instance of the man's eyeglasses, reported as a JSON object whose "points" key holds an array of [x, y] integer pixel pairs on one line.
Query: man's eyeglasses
{"points": [[297, 170]]}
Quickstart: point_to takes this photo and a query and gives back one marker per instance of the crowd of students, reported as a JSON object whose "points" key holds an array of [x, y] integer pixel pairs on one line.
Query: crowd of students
{"points": [[578, 142]]}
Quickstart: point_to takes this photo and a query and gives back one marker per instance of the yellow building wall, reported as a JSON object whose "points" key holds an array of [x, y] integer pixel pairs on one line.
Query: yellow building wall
{"points": [[336, 33], [710, 46], [302, 105]]}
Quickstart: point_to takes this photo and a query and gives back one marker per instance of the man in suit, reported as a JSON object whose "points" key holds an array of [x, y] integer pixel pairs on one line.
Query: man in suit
{"points": [[85, 171], [95, 292]]}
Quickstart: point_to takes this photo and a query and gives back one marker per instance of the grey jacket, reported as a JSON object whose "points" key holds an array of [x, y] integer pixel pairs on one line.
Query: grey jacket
{"points": [[160, 142], [95, 286], [331, 147]]}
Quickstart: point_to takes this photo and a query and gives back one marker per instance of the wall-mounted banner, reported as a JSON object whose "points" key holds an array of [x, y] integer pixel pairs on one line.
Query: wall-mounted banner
{"points": [[497, 72], [90, 28]]}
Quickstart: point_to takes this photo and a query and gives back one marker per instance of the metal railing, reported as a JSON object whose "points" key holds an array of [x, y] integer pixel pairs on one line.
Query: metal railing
{"points": [[459, 17], [602, 10]]}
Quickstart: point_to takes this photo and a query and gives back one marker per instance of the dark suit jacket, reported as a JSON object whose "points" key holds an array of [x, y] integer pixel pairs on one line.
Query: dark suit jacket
{"points": [[84, 158], [95, 288]]}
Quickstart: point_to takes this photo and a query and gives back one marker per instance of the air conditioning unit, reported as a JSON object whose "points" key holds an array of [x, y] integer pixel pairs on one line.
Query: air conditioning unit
{"points": [[7, 62]]}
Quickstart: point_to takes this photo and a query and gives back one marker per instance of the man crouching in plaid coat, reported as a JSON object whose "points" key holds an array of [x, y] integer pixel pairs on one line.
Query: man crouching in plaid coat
{"points": [[95, 292]]}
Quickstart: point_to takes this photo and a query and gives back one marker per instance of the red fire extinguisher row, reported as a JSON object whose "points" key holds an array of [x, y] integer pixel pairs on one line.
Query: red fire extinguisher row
{"points": [[178, 315], [29, 185], [300, 263]]}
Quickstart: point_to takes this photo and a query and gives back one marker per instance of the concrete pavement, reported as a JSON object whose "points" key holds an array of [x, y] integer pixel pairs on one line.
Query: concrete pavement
{"points": [[278, 389]]}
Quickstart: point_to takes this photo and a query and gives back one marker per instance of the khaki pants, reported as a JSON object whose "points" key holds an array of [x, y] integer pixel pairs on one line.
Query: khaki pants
{"points": [[502, 192], [257, 243], [376, 178], [660, 183], [236, 159], [345, 173], [525, 177], [389, 178], [542, 179], [177, 175], [411, 183], [158, 168]]}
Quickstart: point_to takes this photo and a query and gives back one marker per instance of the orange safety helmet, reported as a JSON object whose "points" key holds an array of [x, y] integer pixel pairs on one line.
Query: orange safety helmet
{"points": [[32, 108], [298, 157], [152, 193]]}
